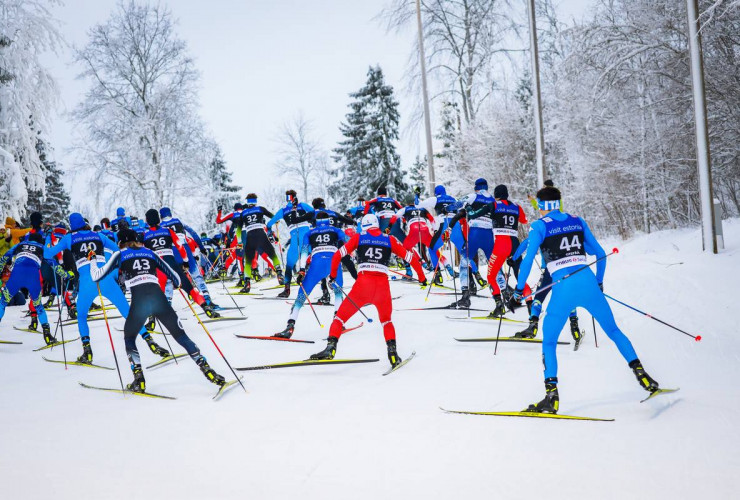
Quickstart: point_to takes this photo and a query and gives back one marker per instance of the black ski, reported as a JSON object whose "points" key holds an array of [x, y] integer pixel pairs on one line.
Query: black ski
{"points": [[224, 318], [309, 362], [507, 339], [441, 308], [272, 337]]}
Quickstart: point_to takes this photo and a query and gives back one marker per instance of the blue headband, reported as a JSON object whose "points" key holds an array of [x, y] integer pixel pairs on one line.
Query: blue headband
{"points": [[252, 201], [548, 206]]}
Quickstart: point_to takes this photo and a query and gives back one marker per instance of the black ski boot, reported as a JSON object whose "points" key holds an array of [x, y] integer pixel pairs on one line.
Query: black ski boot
{"points": [[47, 334], [34, 323], [210, 374], [393, 356], [280, 277], [576, 332], [479, 279], [256, 276], [551, 402], [156, 348], [210, 312], [246, 286], [87, 355], [72, 311], [285, 293], [499, 310], [643, 378], [288, 332], [95, 307], [437, 279], [472, 286], [149, 325], [240, 283], [464, 302], [325, 299], [49, 302], [329, 351], [139, 384], [531, 331], [210, 302]]}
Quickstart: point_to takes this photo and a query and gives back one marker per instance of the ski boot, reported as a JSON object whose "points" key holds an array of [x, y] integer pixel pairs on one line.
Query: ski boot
{"points": [[329, 351], [210, 302], [149, 325], [139, 384], [210, 312], [280, 277], [531, 331], [643, 378], [47, 334], [479, 279], [464, 302], [95, 307], [437, 279], [575, 332], [499, 310], [87, 355], [72, 311], [285, 293], [393, 356], [472, 285], [156, 348], [256, 276], [550, 403], [240, 283], [325, 299], [452, 272], [49, 302], [288, 332], [210, 374], [34, 323], [246, 286]]}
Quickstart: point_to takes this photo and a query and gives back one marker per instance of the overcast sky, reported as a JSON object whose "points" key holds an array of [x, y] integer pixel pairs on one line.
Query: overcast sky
{"points": [[261, 61]]}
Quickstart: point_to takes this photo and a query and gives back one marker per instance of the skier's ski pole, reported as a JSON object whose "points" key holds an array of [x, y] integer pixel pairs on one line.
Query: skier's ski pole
{"points": [[467, 254], [166, 340], [110, 337], [310, 304], [434, 275], [369, 320], [535, 292], [406, 276], [501, 318], [223, 284], [593, 322], [695, 337], [210, 337], [452, 263], [59, 323]]}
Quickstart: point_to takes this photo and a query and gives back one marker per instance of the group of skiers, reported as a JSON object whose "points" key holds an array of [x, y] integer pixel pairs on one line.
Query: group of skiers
{"points": [[152, 257]]}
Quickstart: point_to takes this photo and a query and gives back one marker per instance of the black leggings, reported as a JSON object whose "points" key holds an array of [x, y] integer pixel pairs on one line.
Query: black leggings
{"points": [[147, 300]]}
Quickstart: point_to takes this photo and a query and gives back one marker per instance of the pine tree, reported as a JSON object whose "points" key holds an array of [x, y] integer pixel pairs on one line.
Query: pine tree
{"points": [[225, 193], [367, 156], [419, 176], [53, 201]]}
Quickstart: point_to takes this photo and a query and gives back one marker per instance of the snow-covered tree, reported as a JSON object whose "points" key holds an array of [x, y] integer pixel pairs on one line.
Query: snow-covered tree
{"points": [[143, 141], [367, 156], [298, 153], [28, 96], [221, 188], [52, 201], [419, 176]]}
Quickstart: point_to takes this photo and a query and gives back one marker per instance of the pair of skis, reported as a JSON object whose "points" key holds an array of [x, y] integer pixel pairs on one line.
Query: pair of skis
{"points": [[221, 391], [530, 414], [281, 339]]}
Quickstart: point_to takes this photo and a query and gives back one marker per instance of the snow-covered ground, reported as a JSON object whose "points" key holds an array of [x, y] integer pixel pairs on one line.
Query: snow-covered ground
{"points": [[347, 432]]}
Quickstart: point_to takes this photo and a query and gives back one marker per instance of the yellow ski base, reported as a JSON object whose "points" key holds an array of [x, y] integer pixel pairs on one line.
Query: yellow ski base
{"points": [[527, 414]]}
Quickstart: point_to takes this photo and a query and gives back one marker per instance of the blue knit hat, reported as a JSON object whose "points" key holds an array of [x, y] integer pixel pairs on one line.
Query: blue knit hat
{"points": [[481, 184]]}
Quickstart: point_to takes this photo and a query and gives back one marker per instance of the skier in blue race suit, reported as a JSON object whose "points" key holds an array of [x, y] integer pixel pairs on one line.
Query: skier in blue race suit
{"points": [[81, 241], [26, 273], [292, 211], [564, 241], [322, 242]]}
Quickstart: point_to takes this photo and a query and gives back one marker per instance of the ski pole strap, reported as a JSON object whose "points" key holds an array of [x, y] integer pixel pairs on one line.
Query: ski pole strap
{"points": [[695, 337], [535, 292]]}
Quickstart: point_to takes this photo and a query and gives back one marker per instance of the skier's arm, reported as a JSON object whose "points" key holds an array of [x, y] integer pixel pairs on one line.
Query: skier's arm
{"points": [[347, 249], [367, 206], [522, 216], [592, 247], [488, 208], [398, 249], [167, 270], [8, 255], [275, 218], [221, 220], [536, 237], [178, 246], [522, 248], [267, 213], [107, 244], [195, 237], [345, 220], [305, 250], [98, 273], [64, 244]]}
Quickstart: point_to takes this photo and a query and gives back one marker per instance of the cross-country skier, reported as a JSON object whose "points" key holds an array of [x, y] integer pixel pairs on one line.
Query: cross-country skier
{"points": [[383, 207], [323, 242], [374, 249], [290, 213], [28, 255], [139, 267], [80, 242], [564, 241]]}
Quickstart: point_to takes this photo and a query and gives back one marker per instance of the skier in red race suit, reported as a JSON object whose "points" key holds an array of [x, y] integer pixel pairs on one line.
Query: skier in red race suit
{"points": [[374, 250]]}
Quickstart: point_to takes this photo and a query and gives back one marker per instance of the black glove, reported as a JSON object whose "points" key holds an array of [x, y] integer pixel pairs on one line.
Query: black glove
{"points": [[510, 262], [601, 286], [417, 190], [220, 209], [515, 302], [271, 236], [332, 282], [299, 277]]}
